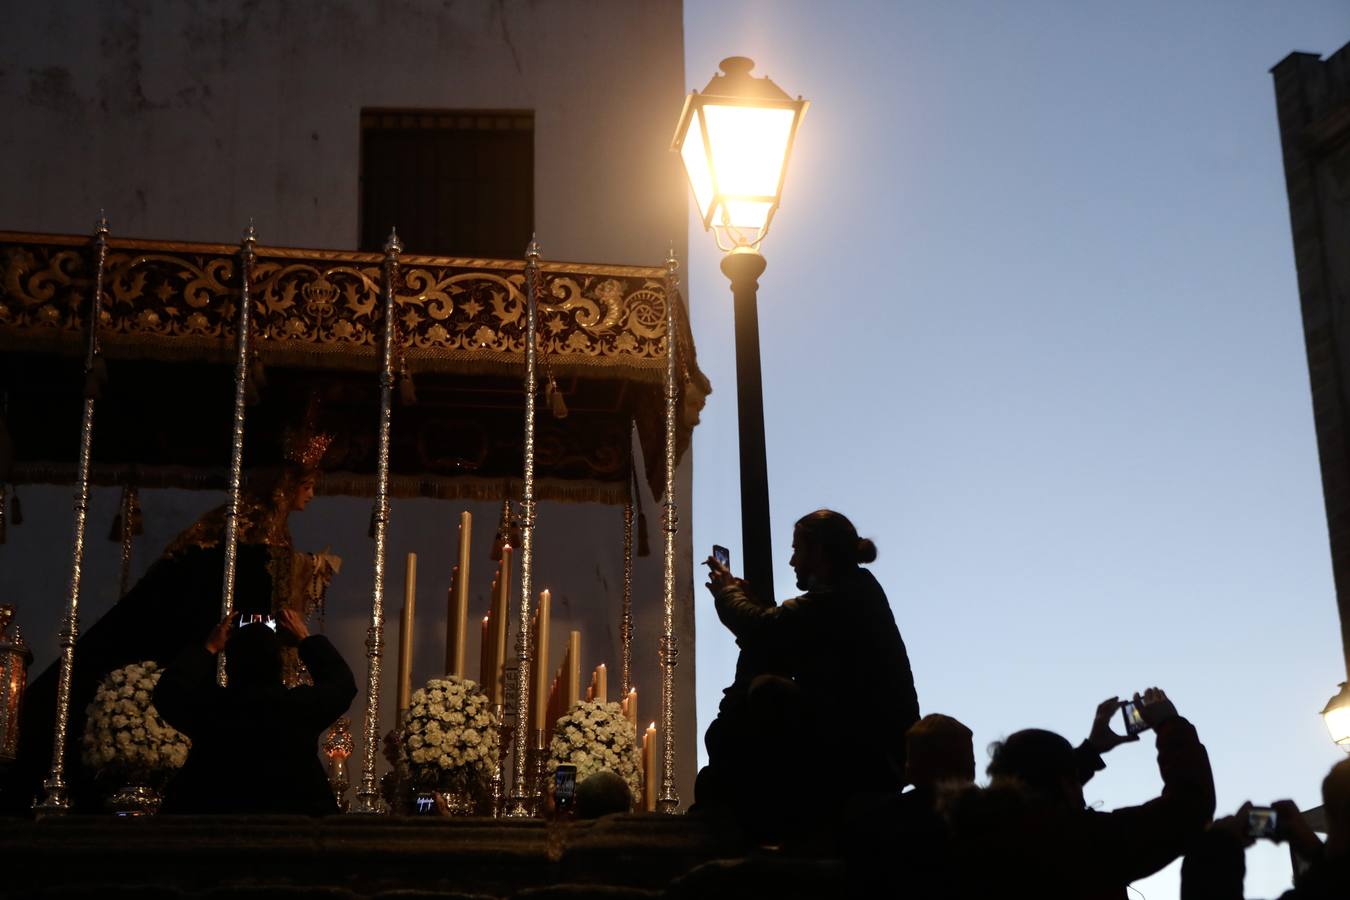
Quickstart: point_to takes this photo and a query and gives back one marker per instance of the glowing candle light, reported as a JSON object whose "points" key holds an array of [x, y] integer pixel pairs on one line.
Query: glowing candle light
{"points": [[649, 768]]}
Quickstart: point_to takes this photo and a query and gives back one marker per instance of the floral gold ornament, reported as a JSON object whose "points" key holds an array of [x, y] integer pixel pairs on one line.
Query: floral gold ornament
{"points": [[176, 300], [597, 325]]}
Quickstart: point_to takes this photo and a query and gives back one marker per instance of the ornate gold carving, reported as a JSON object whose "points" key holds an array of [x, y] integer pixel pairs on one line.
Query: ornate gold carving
{"points": [[175, 300]]}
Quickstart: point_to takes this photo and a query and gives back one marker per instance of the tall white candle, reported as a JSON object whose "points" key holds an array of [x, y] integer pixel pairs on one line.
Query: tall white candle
{"points": [[405, 635], [541, 668]]}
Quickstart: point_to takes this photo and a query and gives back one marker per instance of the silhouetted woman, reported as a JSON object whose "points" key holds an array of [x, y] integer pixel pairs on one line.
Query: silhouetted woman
{"points": [[834, 695]]}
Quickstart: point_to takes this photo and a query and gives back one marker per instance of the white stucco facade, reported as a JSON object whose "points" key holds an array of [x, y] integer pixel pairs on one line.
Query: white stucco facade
{"points": [[186, 120]]}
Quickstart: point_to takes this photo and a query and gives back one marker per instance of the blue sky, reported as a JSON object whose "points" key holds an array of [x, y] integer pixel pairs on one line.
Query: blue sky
{"points": [[1030, 318]]}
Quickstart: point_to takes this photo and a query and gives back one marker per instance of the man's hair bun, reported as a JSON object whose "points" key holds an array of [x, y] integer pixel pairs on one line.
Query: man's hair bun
{"points": [[835, 534]]}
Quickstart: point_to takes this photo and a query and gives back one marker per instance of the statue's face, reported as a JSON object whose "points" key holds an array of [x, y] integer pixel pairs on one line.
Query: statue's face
{"points": [[304, 492]]}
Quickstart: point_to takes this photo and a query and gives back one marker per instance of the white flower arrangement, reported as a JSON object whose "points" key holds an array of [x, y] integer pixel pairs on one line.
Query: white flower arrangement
{"points": [[449, 735], [595, 737], [123, 732]]}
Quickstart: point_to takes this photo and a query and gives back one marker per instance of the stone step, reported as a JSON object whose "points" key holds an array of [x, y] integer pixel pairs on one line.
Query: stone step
{"points": [[627, 857]]}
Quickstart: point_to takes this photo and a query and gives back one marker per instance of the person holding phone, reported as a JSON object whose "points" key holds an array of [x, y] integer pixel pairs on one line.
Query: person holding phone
{"points": [[1215, 864], [1095, 853], [824, 675], [254, 741]]}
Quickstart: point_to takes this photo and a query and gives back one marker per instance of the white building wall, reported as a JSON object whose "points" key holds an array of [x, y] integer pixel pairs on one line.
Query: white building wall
{"points": [[186, 120]]}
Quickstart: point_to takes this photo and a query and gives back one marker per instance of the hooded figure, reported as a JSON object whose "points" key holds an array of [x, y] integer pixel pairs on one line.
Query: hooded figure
{"points": [[254, 742]]}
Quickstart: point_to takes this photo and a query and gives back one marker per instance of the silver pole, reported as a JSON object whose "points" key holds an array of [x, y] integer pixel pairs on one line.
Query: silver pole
{"points": [[57, 800], [230, 543], [127, 536], [626, 620], [668, 801], [521, 801], [368, 799]]}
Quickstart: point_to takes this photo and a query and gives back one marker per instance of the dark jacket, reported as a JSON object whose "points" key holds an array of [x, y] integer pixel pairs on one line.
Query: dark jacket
{"points": [[254, 749], [1216, 864], [1108, 850], [840, 645], [176, 602]]}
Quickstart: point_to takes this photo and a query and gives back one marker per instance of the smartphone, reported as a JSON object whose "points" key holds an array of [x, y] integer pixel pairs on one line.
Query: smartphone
{"points": [[722, 555], [565, 788], [1134, 722], [1261, 821], [254, 618]]}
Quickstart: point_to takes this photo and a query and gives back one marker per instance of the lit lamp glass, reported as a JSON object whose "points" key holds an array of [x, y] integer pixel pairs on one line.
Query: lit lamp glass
{"points": [[735, 139], [1337, 716]]}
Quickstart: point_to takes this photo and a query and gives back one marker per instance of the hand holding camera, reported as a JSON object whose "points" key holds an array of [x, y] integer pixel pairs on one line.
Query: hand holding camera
{"points": [[1154, 707], [1279, 822], [1102, 738], [719, 570], [1292, 827]]}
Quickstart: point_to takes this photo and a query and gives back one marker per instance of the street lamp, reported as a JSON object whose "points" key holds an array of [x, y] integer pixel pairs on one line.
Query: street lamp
{"points": [[735, 139], [1337, 716]]}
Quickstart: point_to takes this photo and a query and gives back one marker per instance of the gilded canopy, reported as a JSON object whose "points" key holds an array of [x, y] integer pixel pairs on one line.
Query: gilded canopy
{"points": [[168, 336]]}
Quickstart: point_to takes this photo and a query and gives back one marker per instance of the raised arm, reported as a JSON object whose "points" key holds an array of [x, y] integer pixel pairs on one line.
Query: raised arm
{"points": [[334, 685], [1137, 841], [190, 680]]}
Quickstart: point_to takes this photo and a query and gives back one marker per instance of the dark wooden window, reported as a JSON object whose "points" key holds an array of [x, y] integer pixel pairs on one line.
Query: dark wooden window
{"points": [[453, 183]]}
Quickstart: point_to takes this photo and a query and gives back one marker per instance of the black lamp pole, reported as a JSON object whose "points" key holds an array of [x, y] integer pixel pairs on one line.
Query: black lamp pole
{"points": [[744, 267]]}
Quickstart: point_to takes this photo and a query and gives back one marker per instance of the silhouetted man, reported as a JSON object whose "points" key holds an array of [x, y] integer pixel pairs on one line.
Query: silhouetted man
{"points": [[254, 742], [898, 843], [1215, 866], [1097, 854]]}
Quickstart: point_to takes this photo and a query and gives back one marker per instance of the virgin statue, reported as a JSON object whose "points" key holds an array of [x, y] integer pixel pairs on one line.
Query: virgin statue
{"points": [[178, 601]]}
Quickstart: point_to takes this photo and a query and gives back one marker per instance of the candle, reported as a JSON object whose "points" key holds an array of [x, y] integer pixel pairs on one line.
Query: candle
{"points": [[630, 709], [499, 618], [466, 529], [649, 768], [405, 635], [484, 662], [601, 691], [573, 674], [541, 669]]}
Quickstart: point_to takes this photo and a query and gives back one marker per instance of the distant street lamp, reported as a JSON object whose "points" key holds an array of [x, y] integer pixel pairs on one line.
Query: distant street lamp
{"points": [[1337, 716], [735, 139]]}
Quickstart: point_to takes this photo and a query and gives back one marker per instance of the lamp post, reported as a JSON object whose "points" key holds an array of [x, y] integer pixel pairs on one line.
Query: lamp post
{"points": [[735, 139], [1337, 716]]}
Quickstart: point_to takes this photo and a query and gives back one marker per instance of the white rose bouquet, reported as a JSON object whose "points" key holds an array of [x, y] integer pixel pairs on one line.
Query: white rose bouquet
{"points": [[596, 736], [123, 733], [449, 736]]}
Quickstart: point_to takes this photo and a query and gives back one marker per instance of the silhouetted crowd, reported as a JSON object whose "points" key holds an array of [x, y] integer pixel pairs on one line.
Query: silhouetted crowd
{"points": [[819, 736]]}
